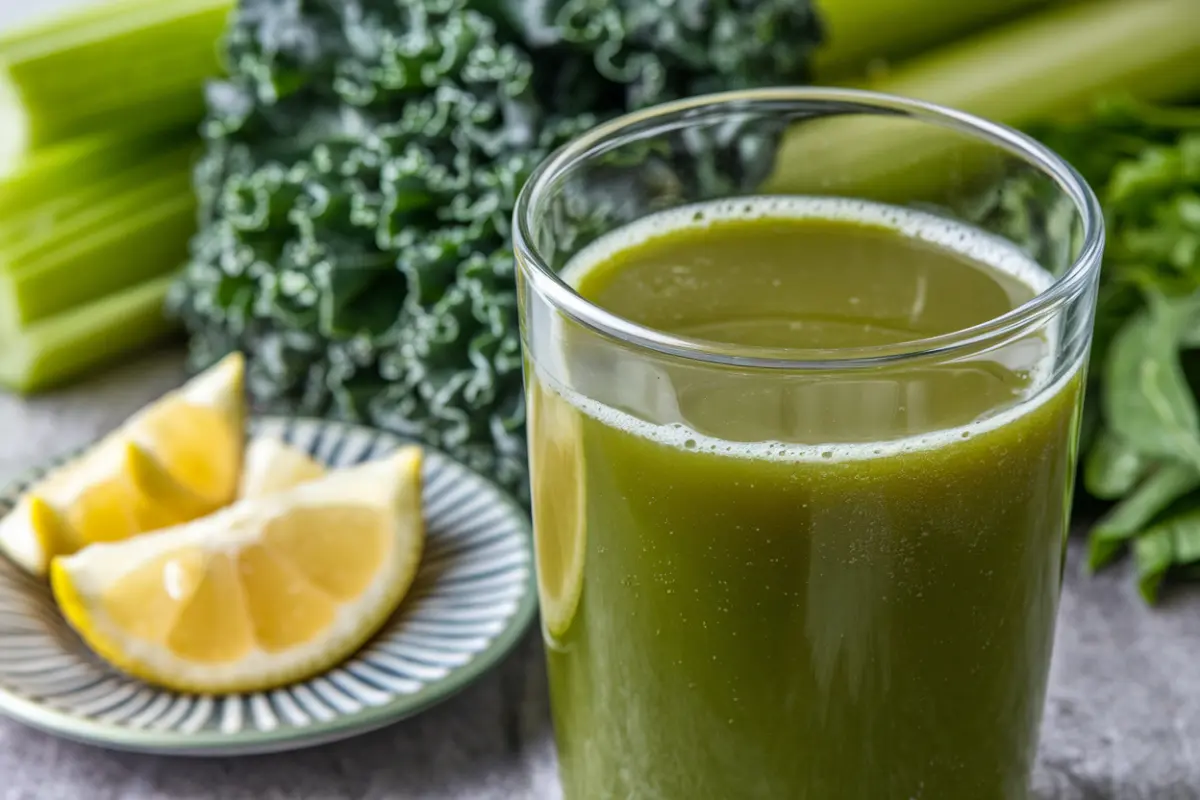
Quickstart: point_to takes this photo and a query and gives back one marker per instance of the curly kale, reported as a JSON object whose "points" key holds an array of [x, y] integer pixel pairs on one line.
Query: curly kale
{"points": [[669, 49], [363, 160]]}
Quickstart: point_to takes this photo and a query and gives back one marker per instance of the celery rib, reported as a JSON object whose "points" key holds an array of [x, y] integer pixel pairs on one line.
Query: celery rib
{"points": [[66, 345], [859, 32], [138, 67], [97, 240], [92, 205], [56, 172], [1045, 66], [142, 246]]}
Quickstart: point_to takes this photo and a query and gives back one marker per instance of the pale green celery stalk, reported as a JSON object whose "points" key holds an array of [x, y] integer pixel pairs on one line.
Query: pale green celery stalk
{"points": [[59, 170], [66, 345], [133, 66], [859, 33], [83, 206], [146, 236], [1050, 65]]}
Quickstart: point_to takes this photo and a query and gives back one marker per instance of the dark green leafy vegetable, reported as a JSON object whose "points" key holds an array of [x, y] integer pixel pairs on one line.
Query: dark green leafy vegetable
{"points": [[363, 160], [1146, 399], [1174, 542], [1153, 553], [1130, 517], [1112, 468]]}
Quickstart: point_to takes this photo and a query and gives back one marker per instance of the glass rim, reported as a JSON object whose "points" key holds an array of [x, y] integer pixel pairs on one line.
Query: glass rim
{"points": [[563, 297]]}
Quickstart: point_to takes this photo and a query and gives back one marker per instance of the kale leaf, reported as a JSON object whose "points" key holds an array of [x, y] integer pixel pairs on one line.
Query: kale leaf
{"points": [[363, 158]]}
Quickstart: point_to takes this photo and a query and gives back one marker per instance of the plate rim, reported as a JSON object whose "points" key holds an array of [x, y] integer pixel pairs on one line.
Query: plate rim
{"points": [[115, 736]]}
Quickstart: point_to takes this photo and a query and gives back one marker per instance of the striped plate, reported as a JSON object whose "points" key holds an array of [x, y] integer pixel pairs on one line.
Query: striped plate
{"points": [[473, 598]]}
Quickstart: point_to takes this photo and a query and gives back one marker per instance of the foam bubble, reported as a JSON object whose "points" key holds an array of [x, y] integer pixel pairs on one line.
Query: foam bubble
{"points": [[974, 244]]}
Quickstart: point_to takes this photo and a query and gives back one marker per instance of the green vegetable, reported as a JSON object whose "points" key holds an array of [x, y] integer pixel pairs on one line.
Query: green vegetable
{"points": [[1112, 467], [62, 169], [1147, 401], [1131, 516], [97, 240], [1052, 64], [859, 32], [97, 116], [1173, 542], [134, 66], [74, 342], [1153, 554], [363, 162]]}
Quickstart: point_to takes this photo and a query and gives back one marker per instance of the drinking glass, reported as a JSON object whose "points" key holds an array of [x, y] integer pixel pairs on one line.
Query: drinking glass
{"points": [[803, 572]]}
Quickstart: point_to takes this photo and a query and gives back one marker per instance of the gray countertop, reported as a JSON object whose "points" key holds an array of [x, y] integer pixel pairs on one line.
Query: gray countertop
{"points": [[1122, 721]]}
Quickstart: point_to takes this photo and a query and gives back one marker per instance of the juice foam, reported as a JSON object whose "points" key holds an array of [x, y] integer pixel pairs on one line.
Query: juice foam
{"points": [[972, 243]]}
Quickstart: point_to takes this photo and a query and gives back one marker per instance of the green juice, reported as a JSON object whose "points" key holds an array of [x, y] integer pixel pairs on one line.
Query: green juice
{"points": [[821, 586]]}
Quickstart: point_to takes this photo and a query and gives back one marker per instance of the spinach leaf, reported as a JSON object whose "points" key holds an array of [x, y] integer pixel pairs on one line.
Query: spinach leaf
{"points": [[1147, 401], [1168, 483], [1112, 467], [1153, 553], [1175, 541]]}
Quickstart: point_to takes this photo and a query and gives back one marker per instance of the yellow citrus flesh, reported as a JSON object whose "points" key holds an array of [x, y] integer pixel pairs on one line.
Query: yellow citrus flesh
{"points": [[559, 510], [175, 460], [200, 447], [196, 433], [266, 592], [271, 466]]}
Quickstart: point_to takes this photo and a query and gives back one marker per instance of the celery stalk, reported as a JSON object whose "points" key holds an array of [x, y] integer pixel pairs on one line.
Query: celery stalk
{"points": [[97, 240], [56, 171], [63, 346], [1046, 66], [858, 32], [136, 66], [142, 246], [76, 211]]}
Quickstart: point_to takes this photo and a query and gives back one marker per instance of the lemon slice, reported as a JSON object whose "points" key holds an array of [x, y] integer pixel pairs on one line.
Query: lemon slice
{"points": [[559, 509], [272, 466], [266, 592], [175, 460]]}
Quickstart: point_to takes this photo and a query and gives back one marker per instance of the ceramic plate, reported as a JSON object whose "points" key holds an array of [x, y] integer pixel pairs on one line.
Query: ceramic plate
{"points": [[473, 598]]}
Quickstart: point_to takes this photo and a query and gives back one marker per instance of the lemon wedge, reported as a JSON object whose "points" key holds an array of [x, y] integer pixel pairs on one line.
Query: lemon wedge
{"points": [[177, 459], [559, 509], [271, 465], [268, 591], [197, 432]]}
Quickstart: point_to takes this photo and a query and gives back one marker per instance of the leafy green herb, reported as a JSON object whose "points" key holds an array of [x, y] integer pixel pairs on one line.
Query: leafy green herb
{"points": [[1130, 517], [1147, 401], [1112, 468], [1173, 543], [1153, 554]]}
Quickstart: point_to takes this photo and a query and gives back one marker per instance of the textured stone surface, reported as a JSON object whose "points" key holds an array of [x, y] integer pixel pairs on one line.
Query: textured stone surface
{"points": [[1122, 721]]}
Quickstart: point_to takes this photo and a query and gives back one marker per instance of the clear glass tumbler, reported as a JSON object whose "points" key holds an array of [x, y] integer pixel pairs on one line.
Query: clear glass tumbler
{"points": [[806, 561]]}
